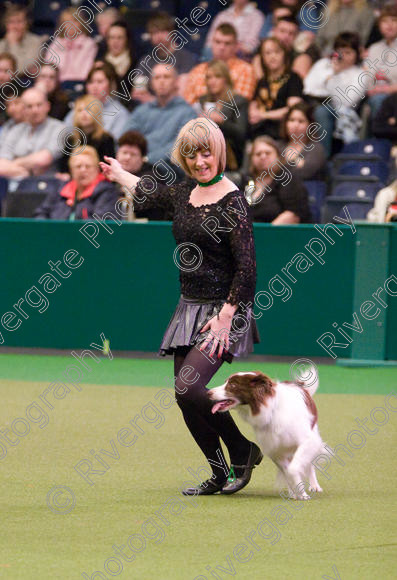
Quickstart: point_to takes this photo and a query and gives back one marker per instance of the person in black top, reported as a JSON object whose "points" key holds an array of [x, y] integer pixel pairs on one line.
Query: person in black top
{"points": [[48, 81], [275, 194], [213, 230], [277, 90]]}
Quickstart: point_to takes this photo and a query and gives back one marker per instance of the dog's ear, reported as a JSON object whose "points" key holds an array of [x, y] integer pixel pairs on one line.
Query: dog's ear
{"points": [[262, 381]]}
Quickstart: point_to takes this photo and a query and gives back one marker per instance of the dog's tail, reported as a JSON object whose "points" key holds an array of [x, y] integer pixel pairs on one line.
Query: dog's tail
{"points": [[311, 382]]}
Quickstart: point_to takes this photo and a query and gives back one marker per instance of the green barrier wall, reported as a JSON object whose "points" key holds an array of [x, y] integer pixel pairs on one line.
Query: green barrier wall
{"points": [[127, 287]]}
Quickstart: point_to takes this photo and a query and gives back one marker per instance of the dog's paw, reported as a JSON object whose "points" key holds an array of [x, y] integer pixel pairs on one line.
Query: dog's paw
{"points": [[315, 488]]}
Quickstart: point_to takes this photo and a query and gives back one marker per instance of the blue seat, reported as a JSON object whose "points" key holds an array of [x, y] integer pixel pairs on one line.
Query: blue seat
{"points": [[74, 89], [381, 147], [357, 189], [3, 191], [357, 208], [317, 191], [379, 169]]}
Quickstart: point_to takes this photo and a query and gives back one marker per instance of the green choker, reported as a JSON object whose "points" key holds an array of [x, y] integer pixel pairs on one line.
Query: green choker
{"points": [[214, 180]]}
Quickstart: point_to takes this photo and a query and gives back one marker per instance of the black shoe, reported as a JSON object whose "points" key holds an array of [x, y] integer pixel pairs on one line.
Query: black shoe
{"points": [[234, 483], [208, 487]]}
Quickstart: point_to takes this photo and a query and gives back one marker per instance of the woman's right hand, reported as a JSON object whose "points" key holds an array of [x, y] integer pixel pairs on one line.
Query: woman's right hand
{"points": [[111, 169]]}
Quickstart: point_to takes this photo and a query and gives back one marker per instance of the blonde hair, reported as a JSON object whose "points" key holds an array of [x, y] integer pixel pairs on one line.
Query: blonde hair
{"points": [[98, 131], [335, 5], [220, 69], [88, 150], [199, 134]]}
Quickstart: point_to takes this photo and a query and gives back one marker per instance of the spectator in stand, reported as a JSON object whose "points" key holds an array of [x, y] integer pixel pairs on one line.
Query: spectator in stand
{"points": [[88, 130], [384, 125], [275, 195], [328, 78], [31, 147], [48, 82], [160, 121], [15, 113], [224, 47], [103, 21], [79, 50], [345, 15], [248, 22], [118, 49], [18, 41], [101, 81], [278, 89], [306, 157], [160, 27], [233, 123], [8, 65], [385, 205], [386, 81], [132, 156], [88, 192]]}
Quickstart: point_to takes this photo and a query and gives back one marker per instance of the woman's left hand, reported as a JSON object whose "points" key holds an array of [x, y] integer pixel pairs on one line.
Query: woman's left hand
{"points": [[219, 334]]}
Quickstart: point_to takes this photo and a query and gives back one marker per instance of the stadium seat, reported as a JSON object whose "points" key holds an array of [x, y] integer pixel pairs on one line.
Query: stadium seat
{"points": [[46, 14], [358, 208], [381, 147], [317, 191], [357, 189], [74, 89], [379, 169], [3, 191], [29, 194]]}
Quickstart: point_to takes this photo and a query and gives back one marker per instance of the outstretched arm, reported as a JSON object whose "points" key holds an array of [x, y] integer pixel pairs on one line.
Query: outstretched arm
{"points": [[113, 171]]}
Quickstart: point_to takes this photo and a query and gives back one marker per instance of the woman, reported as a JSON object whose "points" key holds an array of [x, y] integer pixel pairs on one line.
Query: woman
{"points": [[345, 15], [214, 293], [306, 157], [18, 41], [385, 205], [118, 49], [234, 128], [48, 81], [79, 50], [279, 89], [87, 193], [276, 195], [101, 81], [332, 77]]}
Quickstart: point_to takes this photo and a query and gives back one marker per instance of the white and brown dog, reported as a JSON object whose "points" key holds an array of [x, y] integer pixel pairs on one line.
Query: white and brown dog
{"points": [[284, 418]]}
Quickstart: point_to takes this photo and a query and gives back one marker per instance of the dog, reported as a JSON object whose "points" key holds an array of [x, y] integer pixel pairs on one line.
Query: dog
{"points": [[284, 418]]}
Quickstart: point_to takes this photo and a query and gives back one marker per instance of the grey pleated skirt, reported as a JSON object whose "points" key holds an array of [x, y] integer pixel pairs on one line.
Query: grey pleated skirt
{"points": [[191, 314]]}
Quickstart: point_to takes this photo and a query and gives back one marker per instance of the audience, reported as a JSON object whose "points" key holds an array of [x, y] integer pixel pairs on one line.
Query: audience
{"points": [[274, 194], [101, 81], [386, 81], [307, 158], [118, 49], [159, 121], [31, 147], [345, 16], [248, 22], [78, 51], [384, 125], [8, 65], [48, 82], [18, 41], [88, 192], [16, 114], [217, 103], [89, 130], [278, 89], [385, 205], [331, 77], [132, 156], [224, 47]]}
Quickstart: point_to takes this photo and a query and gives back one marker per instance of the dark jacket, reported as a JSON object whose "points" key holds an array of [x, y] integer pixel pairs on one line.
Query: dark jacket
{"points": [[103, 199]]}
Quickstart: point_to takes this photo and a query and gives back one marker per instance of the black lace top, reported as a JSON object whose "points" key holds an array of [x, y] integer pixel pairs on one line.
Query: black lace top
{"points": [[216, 252]]}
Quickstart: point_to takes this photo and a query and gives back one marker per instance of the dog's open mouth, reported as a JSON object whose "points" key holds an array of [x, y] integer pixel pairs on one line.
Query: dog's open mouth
{"points": [[223, 405]]}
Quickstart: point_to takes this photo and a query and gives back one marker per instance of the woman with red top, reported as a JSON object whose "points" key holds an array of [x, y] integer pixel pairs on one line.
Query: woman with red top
{"points": [[87, 193], [213, 319]]}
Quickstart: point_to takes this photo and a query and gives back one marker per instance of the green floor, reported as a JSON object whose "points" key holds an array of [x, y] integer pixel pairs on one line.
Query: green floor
{"points": [[348, 532]]}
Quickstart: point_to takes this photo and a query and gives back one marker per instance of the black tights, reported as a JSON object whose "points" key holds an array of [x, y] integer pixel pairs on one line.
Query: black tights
{"points": [[206, 428]]}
